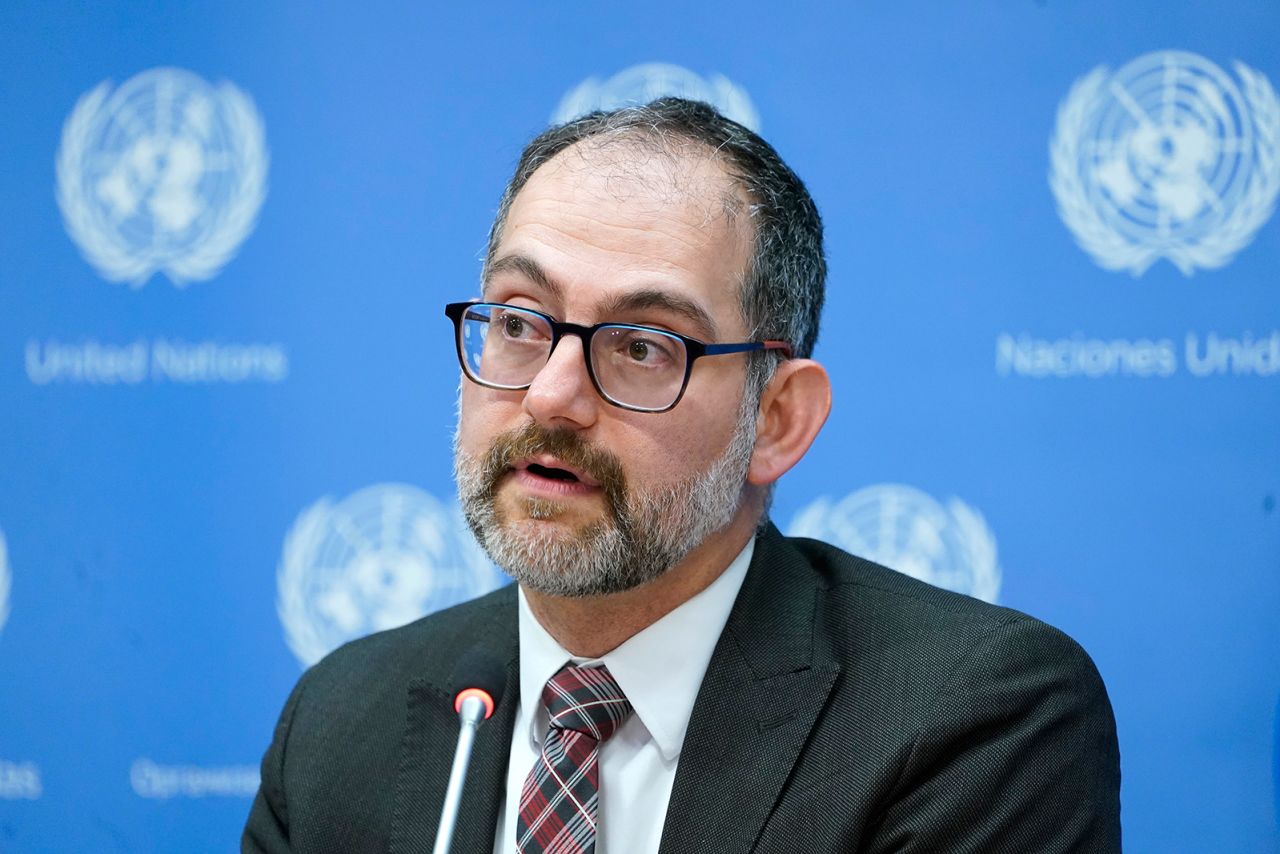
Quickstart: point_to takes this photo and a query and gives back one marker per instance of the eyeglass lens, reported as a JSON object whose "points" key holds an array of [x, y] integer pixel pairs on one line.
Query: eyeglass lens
{"points": [[639, 367]]}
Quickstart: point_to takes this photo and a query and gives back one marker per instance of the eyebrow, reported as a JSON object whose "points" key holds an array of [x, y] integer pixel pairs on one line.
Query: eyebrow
{"points": [[527, 267], [650, 298], [641, 300]]}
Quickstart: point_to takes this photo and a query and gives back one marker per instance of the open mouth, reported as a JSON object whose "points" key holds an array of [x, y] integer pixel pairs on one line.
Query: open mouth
{"points": [[549, 468], [552, 473]]}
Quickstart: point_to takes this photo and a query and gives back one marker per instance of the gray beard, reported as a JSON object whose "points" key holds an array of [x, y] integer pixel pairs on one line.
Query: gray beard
{"points": [[642, 537]]}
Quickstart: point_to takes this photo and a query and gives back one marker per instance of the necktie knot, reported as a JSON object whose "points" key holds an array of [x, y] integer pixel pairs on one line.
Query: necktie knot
{"points": [[586, 700]]}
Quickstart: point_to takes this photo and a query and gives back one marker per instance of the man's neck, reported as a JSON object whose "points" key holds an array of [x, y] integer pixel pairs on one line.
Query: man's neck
{"points": [[595, 625]]}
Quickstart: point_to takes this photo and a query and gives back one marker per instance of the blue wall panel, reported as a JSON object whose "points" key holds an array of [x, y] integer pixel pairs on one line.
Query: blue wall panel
{"points": [[217, 468]]}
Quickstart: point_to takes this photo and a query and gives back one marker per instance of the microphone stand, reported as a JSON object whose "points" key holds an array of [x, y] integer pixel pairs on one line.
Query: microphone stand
{"points": [[471, 711]]}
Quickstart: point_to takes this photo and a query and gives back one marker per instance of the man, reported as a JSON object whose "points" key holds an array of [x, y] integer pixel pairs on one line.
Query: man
{"points": [[680, 677]]}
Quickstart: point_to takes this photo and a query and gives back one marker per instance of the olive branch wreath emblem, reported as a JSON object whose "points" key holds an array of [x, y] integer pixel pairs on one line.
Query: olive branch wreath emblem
{"points": [[1111, 249], [838, 522], [108, 252]]}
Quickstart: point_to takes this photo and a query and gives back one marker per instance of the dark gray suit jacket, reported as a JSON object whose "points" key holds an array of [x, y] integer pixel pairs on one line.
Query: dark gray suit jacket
{"points": [[846, 708]]}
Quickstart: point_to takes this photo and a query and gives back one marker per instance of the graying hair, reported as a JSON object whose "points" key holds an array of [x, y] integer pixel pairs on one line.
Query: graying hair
{"points": [[784, 283]]}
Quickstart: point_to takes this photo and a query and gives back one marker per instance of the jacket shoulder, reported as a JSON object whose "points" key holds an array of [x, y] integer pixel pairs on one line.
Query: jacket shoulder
{"points": [[963, 725], [428, 645], [908, 643], [898, 601]]}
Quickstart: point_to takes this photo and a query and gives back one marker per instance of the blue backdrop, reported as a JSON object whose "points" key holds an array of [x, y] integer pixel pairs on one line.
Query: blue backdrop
{"points": [[226, 382]]}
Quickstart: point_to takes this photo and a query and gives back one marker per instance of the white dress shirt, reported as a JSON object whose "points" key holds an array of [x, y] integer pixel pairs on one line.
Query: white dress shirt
{"points": [[660, 670]]}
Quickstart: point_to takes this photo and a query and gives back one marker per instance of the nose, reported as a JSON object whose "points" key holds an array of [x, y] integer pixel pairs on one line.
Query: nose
{"points": [[561, 394]]}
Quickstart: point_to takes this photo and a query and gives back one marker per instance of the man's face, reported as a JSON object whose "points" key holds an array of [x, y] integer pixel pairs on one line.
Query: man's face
{"points": [[572, 495]]}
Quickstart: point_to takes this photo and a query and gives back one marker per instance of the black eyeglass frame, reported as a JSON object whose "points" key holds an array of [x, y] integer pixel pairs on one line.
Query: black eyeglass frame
{"points": [[694, 349]]}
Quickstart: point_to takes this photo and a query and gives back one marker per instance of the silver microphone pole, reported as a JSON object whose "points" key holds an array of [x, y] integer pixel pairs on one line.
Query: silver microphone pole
{"points": [[472, 709]]}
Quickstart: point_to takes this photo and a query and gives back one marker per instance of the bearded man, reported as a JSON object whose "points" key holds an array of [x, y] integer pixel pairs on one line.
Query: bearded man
{"points": [[680, 677]]}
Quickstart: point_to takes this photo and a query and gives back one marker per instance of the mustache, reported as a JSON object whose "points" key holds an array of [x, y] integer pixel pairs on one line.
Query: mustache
{"points": [[565, 444]]}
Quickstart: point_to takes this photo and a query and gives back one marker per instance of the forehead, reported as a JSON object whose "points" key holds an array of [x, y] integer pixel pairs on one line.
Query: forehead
{"points": [[601, 221]]}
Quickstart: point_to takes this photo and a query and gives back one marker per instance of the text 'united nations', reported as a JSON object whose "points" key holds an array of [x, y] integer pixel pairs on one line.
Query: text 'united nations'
{"points": [[161, 361]]}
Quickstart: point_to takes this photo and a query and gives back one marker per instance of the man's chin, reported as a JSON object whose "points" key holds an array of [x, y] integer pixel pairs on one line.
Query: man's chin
{"points": [[555, 558], [558, 530], [539, 514]]}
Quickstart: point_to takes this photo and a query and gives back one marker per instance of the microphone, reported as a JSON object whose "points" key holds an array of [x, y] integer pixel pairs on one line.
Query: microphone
{"points": [[483, 679]]}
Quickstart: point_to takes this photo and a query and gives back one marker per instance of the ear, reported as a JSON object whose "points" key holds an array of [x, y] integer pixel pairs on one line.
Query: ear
{"points": [[793, 409]]}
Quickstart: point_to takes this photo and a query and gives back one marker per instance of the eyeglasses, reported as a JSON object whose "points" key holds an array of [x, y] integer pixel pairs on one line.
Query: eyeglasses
{"points": [[634, 367]]}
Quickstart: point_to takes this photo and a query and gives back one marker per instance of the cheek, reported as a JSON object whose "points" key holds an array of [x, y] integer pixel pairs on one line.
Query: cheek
{"points": [[481, 417], [675, 453]]}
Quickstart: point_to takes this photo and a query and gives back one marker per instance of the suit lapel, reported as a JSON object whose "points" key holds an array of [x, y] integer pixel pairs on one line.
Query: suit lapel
{"points": [[762, 693], [430, 739]]}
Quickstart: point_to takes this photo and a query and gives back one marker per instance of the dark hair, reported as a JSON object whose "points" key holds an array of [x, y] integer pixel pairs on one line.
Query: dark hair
{"points": [[784, 284]]}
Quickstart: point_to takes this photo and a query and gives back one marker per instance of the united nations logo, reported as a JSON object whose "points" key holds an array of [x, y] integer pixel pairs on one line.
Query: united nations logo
{"points": [[903, 528], [377, 559], [641, 84], [166, 173], [6, 581], [1166, 158]]}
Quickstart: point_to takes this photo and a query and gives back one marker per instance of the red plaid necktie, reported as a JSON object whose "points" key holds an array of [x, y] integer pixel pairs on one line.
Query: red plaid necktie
{"points": [[559, 798]]}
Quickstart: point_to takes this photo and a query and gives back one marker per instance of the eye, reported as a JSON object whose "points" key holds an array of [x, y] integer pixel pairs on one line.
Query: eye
{"points": [[515, 326], [637, 348]]}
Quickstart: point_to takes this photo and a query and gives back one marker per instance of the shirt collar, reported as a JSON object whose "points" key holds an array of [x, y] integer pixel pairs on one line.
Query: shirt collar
{"points": [[659, 668]]}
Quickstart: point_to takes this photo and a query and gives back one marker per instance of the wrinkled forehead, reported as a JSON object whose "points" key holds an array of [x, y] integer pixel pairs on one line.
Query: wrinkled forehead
{"points": [[636, 167], [627, 226]]}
